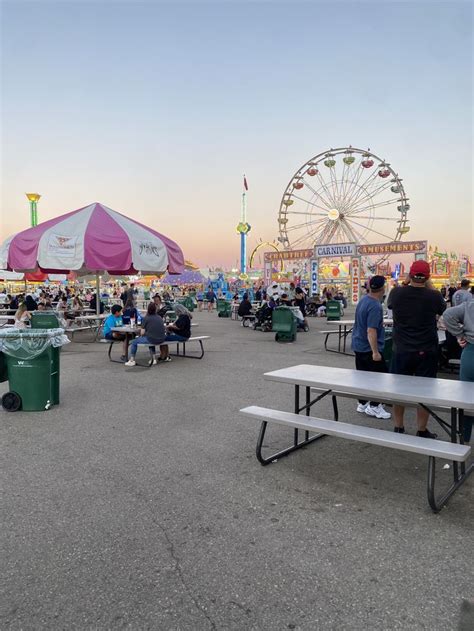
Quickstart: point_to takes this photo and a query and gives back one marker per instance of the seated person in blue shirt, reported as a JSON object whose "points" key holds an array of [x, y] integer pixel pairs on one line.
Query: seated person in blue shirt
{"points": [[113, 320], [130, 312], [178, 331]]}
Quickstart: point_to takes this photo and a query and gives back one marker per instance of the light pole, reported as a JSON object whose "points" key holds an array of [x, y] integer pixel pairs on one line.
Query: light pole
{"points": [[33, 198]]}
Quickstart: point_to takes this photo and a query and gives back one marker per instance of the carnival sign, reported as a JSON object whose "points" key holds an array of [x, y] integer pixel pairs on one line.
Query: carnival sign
{"points": [[336, 249], [394, 247], [288, 255], [314, 276], [355, 280]]}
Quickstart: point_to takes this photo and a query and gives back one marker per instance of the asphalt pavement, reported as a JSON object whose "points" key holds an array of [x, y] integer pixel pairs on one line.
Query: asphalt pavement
{"points": [[138, 503]]}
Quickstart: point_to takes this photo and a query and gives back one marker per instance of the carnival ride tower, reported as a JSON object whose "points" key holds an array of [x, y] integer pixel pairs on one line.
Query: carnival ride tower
{"points": [[243, 229]]}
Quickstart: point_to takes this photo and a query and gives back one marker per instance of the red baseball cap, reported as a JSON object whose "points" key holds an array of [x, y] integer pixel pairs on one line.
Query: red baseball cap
{"points": [[420, 268]]}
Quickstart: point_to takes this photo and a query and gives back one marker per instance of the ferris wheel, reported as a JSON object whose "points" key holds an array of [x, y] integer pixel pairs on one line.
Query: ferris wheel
{"points": [[344, 195]]}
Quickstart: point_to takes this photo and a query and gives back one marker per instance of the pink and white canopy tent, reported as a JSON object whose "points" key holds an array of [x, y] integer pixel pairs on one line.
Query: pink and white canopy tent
{"points": [[91, 240]]}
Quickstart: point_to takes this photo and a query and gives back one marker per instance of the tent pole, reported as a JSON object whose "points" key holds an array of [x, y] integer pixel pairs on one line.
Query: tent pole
{"points": [[97, 289]]}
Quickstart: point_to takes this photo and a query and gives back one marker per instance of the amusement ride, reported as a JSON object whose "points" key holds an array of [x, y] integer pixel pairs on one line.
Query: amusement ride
{"points": [[343, 195]]}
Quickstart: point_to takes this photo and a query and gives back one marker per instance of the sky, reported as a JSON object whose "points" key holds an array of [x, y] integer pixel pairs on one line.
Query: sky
{"points": [[156, 109]]}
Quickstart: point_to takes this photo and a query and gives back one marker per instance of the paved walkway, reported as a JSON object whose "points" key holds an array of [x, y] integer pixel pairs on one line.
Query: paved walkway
{"points": [[138, 503]]}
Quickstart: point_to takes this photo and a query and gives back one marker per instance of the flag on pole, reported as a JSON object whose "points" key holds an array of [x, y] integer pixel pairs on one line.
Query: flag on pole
{"points": [[245, 184]]}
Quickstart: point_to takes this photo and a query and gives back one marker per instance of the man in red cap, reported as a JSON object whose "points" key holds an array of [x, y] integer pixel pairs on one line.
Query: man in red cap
{"points": [[415, 310]]}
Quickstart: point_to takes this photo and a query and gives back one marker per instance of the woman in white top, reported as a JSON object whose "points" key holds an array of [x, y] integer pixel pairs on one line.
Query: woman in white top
{"points": [[21, 317]]}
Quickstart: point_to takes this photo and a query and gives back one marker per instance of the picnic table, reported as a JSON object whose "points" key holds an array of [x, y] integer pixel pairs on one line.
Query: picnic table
{"points": [[344, 330], [93, 322], [5, 320], [434, 395]]}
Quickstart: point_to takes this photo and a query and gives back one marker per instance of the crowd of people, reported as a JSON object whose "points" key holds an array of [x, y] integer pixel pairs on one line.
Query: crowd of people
{"points": [[155, 328], [416, 308]]}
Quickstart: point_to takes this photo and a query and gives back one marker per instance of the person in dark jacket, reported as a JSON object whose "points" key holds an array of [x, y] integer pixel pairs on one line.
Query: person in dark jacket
{"points": [[177, 331], [245, 307]]}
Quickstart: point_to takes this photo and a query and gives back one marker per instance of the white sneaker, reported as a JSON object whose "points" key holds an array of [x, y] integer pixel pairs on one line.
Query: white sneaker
{"points": [[378, 412], [362, 407], [131, 362]]}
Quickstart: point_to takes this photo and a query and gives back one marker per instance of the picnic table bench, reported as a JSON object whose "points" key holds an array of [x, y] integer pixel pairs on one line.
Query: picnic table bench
{"points": [[130, 332], [432, 394]]}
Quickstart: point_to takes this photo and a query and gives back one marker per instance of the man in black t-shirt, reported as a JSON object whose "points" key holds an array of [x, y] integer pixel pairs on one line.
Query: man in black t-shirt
{"points": [[415, 336]]}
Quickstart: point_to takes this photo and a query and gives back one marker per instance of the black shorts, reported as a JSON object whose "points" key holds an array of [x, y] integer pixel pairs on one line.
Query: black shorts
{"points": [[415, 364]]}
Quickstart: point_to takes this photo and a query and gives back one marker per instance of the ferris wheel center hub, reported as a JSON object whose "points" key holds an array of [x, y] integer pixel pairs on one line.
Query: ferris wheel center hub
{"points": [[333, 214]]}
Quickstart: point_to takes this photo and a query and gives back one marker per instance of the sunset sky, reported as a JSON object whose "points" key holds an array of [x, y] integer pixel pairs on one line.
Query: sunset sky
{"points": [[156, 109]]}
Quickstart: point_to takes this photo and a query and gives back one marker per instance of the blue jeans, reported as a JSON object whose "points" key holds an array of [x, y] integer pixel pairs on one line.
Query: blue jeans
{"points": [[467, 374], [141, 340], [174, 337]]}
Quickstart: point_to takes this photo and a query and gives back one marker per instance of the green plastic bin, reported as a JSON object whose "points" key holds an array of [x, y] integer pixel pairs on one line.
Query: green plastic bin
{"points": [[44, 320], [224, 308], [284, 324], [333, 309], [187, 302], [33, 368]]}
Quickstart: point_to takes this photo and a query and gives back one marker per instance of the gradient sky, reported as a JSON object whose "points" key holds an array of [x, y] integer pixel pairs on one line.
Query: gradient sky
{"points": [[156, 109]]}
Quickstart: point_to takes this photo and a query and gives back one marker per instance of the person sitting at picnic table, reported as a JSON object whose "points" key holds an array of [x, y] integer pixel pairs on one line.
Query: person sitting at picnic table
{"points": [[65, 318], [130, 312], [30, 302], [245, 307], [285, 300], [321, 312], [459, 322], [22, 317], [178, 331], [93, 304], [77, 306], [152, 333], [161, 309], [112, 321], [300, 302]]}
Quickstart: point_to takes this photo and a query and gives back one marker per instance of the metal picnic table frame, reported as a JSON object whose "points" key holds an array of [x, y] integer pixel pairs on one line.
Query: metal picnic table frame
{"points": [[452, 396]]}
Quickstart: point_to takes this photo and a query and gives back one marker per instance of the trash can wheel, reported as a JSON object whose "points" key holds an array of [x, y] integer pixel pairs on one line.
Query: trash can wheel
{"points": [[11, 402]]}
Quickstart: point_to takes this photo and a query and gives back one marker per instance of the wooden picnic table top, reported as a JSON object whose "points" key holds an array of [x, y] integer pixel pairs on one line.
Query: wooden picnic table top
{"points": [[405, 389]]}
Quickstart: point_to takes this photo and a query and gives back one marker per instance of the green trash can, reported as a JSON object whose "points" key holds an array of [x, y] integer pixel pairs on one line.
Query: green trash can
{"points": [[170, 316], [187, 302], [44, 320], [33, 368], [224, 308], [284, 324], [333, 310]]}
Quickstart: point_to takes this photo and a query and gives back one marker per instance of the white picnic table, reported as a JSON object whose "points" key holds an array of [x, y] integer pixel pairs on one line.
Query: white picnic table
{"points": [[345, 329], [445, 395], [94, 322], [5, 320]]}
